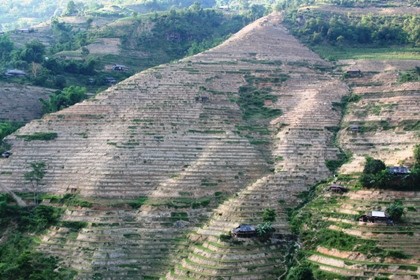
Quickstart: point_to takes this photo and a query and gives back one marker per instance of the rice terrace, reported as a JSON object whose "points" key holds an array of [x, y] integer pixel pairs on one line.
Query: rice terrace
{"points": [[210, 140]]}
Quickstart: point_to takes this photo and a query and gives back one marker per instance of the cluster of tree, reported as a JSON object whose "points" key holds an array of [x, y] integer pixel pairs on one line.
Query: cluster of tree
{"points": [[43, 71], [18, 257], [318, 27], [410, 75], [176, 32], [63, 99], [68, 38], [376, 175]]}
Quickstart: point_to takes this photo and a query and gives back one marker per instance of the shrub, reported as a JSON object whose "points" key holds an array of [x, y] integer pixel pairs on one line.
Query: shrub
{"points": [[373, 166], [264, 230], [225, 237], [301, 272], [269, 215], [45, 136], [395, 210]]}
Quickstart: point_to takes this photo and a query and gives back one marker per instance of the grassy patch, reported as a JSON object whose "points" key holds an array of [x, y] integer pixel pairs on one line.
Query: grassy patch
{"points": [[18, 256], [390, 53], [138, 202], [69, 200], [44, 136]]}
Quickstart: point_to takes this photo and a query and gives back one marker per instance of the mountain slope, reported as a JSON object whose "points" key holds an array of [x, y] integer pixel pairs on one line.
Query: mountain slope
{"points": [[184, 137]]}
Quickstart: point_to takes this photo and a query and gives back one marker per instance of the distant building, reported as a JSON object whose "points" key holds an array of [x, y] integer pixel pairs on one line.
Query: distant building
{"points": [[245, 231], [25, 30], [354, 128], [398, 170], [15, 73], [376, 216], [201, 99], [6, 154], [119, 67], [353, 73], [337, 188], [110, 80], [224, 7]]}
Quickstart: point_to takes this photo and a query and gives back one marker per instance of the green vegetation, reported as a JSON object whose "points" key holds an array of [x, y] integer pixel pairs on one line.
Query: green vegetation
{"points": [[6, 128], [340, 29], [331, 52], [72, 200], [334, 164], [63, 99], [300, 272], [44, 136], [269, 215], [376, 175], [265, 230], [395, 210], [21, 227], [410, 76], [35, 177], [138, 202]]}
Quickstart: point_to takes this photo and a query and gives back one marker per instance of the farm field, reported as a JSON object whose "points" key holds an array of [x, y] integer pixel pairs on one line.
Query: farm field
{"points": [[155, 176]]}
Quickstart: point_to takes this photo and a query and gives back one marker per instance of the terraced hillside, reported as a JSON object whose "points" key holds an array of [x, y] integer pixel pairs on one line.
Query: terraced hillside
{"points": [[21, 103], [199, 146], [381, 121], [387, 114], [348, 248]]}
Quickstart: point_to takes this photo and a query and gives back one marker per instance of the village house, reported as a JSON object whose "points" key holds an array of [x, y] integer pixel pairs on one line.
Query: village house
{"points": [[353, 73], [398, 170], [337, 188], [15, 73], [119, 67], [244, 231], [376, 216], [354, 128]]}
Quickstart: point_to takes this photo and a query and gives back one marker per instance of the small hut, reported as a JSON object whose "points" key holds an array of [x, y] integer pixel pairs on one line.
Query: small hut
{"points": [[353, 73], [354, 128], [245, 231], [337, 189], [398, 170]]}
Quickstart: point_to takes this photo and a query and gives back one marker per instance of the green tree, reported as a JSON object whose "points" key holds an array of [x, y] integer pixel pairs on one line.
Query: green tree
{"points": [[269, 215], [71, 8], [6, 47], [395, 210], [417, 155], [373, 166], [35, 177], [301, 272], [264, 230], [63, 99], [33, 51]]}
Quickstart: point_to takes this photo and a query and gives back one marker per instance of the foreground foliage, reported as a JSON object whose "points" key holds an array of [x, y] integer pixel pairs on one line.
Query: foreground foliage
{"points": [[6, 128], [20, 228]]}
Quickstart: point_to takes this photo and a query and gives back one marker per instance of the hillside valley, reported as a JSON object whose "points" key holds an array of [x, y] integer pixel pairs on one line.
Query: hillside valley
{"points": [[148, 178]]}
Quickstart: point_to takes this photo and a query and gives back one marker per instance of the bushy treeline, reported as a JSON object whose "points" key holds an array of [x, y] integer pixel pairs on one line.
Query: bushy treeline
{"points": [[319, 27], [18, 257], [175, 32], [63, 98]]}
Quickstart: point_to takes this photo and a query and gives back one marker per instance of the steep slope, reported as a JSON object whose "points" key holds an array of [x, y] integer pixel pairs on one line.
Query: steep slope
{"points": [[176, 135], [302, 142], [21, 103], [386, 115]]}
